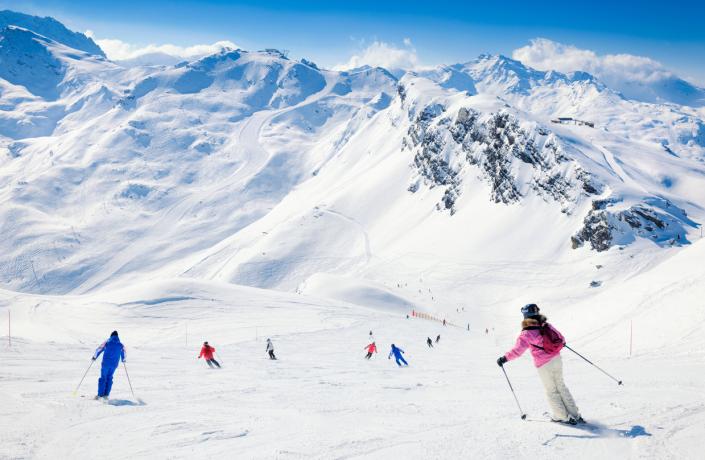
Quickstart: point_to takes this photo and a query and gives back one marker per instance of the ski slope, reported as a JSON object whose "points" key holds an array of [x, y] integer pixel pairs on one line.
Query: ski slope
{"points": [[321, 399], [245, 195]]}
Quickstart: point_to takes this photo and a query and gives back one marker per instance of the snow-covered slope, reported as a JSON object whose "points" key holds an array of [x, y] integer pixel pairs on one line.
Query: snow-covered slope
{"points": [[188, 165], [247, 191], [50, 28]]}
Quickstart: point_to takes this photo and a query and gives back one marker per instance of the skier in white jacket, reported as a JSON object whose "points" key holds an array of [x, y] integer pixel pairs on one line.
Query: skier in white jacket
{"points": [[270, 349]]}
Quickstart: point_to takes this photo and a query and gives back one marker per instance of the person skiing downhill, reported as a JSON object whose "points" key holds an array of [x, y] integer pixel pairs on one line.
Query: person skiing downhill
{"points": [[270, 349], [438, 339], [397, 352], [429, 342], [113, 352], [207, 353], [545, 343], [371, 348]]}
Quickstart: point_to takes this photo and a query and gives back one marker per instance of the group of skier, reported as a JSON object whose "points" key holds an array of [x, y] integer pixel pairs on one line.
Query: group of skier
{"points": [[113, 352], [537, 335]]}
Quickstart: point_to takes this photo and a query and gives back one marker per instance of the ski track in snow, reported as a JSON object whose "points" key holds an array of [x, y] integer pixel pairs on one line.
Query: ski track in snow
{"points": [[365, 235], [248, 145], [321, 399], [181, 171], [618, 171]]}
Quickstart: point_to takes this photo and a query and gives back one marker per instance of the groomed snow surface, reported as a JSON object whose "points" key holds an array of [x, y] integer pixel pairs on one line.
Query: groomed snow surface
{"points": [[321, 399]]}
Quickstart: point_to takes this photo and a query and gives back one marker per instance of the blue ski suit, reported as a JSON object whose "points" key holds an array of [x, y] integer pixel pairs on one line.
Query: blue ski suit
{"points": [[113, 351], [397, 352]]}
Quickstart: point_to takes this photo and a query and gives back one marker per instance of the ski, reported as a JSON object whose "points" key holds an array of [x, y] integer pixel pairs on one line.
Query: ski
{"points": [[579, 422]]}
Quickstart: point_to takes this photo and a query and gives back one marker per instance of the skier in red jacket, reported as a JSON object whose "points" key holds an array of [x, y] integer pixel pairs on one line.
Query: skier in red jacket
{"points": [[371, 348], [207, 353]]}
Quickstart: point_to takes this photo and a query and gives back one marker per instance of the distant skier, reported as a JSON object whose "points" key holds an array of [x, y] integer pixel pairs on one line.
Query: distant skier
{"points": [[371, 348], [270, 349], [372, 337], [438, 339], [397, 352], [113, 351], [429, 342], [444, 322], [545, 343], [207, 353]]}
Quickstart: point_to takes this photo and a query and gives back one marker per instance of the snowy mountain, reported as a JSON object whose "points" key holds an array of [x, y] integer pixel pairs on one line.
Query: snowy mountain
{"points": [[52, 29], [245, 194], [221, 143]]}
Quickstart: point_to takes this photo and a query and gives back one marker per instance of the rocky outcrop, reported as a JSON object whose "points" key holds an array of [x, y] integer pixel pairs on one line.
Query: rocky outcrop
{"points": [[603, 228], [503, 150]]}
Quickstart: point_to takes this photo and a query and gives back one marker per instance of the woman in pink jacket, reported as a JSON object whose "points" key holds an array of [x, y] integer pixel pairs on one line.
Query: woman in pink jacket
{"points": [[545, 343]]}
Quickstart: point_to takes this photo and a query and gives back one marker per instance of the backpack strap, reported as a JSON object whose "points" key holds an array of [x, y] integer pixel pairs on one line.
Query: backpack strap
{"points": [[536, 328]]}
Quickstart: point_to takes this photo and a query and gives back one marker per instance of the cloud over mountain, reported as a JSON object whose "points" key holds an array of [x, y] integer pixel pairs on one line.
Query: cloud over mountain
{"points": [[119, 50], [636, 77], [383, 54]]}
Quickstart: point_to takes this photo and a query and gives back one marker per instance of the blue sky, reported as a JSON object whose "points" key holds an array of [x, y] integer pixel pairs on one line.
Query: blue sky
{"points": [[439, 31]]}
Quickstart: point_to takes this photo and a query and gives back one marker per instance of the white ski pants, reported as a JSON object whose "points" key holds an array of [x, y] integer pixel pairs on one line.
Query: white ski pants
{"points": [[559, 398]]}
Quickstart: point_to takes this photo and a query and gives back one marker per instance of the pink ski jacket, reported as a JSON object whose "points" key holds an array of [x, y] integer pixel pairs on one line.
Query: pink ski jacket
{"points": [[529, 338]]}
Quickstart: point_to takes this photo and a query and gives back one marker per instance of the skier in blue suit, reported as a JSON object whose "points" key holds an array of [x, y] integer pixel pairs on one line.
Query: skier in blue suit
{"points": [[113, 351], [397, 352]]}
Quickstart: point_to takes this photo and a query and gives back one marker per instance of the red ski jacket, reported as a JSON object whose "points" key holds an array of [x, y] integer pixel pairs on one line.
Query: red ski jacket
{"points": [[371, 348], [207, 352]]}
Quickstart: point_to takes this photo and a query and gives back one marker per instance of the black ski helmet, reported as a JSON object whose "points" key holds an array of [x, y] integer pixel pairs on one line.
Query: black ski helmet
{"points": [[114, 334], [529, 310]]}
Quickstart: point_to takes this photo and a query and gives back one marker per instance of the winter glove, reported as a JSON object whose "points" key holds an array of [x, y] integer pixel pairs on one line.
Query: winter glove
{"points": [[501, 360], [93, 358]]}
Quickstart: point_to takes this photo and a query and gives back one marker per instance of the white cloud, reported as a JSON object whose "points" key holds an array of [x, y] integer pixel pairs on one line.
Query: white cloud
{"points": [[118, 50], [545, 54], [636, 77], [382, 54]]}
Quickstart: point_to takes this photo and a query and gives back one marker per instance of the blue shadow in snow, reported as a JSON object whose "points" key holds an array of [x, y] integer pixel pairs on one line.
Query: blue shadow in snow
{"points": [[126, 402], [596, 431]]}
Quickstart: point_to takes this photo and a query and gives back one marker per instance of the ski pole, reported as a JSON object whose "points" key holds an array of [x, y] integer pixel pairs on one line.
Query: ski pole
{"points": [[84, 376], [219, 358], [619, 382], [523, 415], [128, 379]]}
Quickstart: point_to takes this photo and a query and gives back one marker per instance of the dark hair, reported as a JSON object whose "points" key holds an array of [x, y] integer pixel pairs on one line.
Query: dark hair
{"points": [[540, 318], [114, 334]]}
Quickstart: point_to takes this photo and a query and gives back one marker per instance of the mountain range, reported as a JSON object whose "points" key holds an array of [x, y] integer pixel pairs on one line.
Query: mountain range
{"points": [[257, 169]]}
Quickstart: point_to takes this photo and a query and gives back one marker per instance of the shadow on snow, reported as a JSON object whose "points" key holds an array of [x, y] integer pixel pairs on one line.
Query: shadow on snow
{"points": [[126, 402], [597, 431]]}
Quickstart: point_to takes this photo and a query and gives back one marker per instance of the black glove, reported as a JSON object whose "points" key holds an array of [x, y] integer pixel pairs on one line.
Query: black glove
{"points": [[501, 360], [93, 359]]}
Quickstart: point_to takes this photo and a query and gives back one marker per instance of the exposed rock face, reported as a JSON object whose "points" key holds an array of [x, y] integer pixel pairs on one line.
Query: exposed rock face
{"points": [[596, 230], [502, 149], [657, 220], [516, 159]]}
